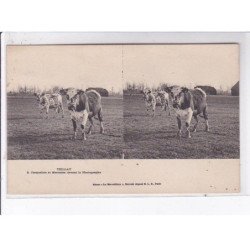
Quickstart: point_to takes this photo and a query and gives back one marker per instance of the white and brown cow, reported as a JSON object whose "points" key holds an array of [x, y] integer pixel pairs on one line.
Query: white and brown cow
{"points": [[164, 101], [187, 104], [50, 101], [150, 100], [83, 106]]}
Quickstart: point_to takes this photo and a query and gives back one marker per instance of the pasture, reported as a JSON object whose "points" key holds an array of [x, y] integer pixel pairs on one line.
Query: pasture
{"points": [[32, 136], [155, 137]]}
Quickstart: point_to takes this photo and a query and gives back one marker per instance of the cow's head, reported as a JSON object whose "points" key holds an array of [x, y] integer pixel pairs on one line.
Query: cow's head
{"points": [[160, 93], [177, 94], [72, 97], [39, 97], [146, 92]]}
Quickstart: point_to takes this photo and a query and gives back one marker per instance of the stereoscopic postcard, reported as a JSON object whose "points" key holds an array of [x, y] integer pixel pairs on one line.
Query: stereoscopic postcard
{"points": [[122, 119]]}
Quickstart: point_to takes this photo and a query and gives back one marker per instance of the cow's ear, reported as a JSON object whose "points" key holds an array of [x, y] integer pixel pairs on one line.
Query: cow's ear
{"points": [[184, 89]]}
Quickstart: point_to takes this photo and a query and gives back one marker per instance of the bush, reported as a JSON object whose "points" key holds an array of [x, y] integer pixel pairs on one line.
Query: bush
{"points": [[101, 91], [208, 90]]}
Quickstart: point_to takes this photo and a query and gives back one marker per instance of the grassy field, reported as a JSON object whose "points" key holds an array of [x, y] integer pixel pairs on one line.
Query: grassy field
{"points": [[128, 129], [148, 137], [31, 136]]}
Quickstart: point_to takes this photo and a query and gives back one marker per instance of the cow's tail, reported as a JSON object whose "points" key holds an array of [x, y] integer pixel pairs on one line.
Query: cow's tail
{"points": [[205, 114], [100, 116]]}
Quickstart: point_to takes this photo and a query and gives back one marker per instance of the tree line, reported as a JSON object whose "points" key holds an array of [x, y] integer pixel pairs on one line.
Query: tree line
{"points": [[136, 88], [25, 90]]}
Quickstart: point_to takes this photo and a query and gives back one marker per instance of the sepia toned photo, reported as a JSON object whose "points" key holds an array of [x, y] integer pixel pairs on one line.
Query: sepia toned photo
{"points": [[64, 102], [181, 101], [133, 119]]}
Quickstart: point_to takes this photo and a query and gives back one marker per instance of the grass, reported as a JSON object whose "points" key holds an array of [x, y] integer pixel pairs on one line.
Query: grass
{"points": [[32, 136], [147, 137], [128, 129]]}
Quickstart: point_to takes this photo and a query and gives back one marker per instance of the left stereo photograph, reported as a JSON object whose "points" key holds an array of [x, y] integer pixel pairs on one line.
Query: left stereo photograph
{"points": [[60, 96]]}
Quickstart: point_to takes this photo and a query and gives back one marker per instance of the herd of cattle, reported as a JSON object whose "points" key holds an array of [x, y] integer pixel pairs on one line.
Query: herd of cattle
{"points": [[186, 103], [86, 105], [82, 105]]}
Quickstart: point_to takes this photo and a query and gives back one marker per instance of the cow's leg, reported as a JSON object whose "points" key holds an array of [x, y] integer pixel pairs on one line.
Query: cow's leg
{"points": [[57, 109], [188, 131], [196, 123], [169, 114], [188, 121], [153, 108], [207, 125], [179, 126], [165, 106], [147, 106], [47, 111], [100, 117], [74, 127], [62, 110], [41, 109], [91, 125], [206, 119], [83, 125]]}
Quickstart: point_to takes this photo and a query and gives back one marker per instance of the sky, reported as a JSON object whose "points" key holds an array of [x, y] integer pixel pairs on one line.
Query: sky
{"points": [[79, 66], [111, 66], [189, 65]]}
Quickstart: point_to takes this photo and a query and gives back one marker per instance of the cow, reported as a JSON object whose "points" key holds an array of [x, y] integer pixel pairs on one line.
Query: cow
{"points": [[157, 99], [83, 106], [164, 101], [189, 103], [50, 101], [150, 100]]}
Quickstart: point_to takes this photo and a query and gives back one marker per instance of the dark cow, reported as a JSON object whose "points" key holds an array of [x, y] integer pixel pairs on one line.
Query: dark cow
{"points": [[83, 106], [188, 103]]}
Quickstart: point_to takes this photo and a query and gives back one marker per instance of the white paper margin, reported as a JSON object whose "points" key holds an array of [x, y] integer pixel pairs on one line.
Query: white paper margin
{"points": [[239, 204]]}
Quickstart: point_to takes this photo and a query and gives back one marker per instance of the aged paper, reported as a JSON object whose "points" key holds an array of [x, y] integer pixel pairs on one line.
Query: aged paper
{"points": [[147, 136], [86, 177]]}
